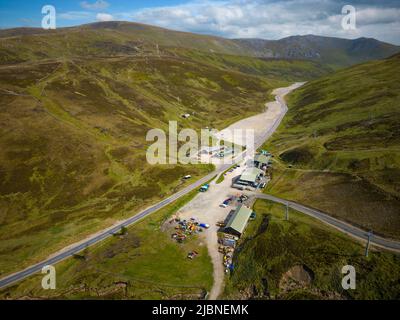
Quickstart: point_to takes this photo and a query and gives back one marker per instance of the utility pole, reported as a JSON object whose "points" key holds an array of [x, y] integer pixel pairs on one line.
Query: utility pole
{"points": [[287, 211], [369, 235]]}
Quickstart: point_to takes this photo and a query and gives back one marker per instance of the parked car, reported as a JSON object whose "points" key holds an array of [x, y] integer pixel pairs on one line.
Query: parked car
{"points": [[228, 201], [205, 188], [187, 177], [224, 205], [263, 185]]}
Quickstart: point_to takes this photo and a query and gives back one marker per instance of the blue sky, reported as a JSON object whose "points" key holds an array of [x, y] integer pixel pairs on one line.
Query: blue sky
{"points": [[17, 13], [268, 19]]}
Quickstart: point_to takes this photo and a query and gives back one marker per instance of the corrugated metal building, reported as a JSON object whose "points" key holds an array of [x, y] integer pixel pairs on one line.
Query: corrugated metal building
{"points": [[250, 177], [238, 221]]}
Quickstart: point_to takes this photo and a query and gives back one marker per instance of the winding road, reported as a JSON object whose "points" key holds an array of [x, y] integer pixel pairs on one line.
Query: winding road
{"points": [[344, 227], [259, 140]]}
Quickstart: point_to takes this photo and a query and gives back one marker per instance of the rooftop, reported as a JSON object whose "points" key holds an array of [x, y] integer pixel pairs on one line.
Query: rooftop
{"points": [[239, 219], [251, 174], [261, 159]]}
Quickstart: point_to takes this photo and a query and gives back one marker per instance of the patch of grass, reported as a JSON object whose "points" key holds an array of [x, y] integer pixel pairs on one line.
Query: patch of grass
{"points": [[143, 263], [288, 70], [221, 177], [273, 246]]}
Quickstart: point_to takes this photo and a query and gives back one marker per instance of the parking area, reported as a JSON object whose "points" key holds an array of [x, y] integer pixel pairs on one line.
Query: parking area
{"points": [[206, 215], [212, 206]]}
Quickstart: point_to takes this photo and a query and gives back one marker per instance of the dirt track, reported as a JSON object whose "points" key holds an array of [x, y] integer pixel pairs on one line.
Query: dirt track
{"points": [[206, 209]]}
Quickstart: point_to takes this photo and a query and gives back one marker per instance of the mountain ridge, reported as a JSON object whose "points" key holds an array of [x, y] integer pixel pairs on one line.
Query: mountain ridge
{"points": [[333, 51]]}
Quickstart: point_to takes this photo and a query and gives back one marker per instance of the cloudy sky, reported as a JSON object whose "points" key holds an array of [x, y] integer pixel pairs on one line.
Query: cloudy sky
{"points": [[268, 19]]}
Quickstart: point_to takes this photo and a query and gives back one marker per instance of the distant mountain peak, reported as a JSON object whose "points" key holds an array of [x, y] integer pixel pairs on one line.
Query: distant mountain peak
{"points": [[333, 51]]}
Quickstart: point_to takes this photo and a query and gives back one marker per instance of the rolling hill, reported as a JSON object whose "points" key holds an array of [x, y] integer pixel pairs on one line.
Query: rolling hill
{"points": [[342, 137], [73, 141], [76, 104], [127, 38], [302, 259]]}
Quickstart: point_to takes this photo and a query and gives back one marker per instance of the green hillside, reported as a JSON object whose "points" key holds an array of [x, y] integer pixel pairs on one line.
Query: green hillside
{"points": [[73, 141], [105, 38], [76, 104], [126, 38], [342, 137], [302, 259], [140, 264]]}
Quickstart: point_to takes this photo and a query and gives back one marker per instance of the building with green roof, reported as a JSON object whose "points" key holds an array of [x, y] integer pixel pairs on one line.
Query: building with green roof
{"points": [[238, 221], [250, 177]]}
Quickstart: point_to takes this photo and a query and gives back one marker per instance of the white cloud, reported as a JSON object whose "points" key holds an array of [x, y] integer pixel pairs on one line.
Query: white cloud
{"points": [[74, 15], [97, 5], [274, 19], [368, 16], [104, 17]]}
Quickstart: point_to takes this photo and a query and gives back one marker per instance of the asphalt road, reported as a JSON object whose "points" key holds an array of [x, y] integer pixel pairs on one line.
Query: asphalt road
{"points": [[339, 225], [106, 234]]}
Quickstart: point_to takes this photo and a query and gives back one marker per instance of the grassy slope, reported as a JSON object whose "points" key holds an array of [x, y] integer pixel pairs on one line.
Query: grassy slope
{"points": [[144, 264], [271, 249], [74, 117], [72, 138], [126, 38], [73, 141], [334, 52], [105, 39], [287, 70], [342, 135]]}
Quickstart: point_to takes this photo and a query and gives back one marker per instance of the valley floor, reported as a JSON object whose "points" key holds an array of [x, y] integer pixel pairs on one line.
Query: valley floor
{"points": [[206, 206], [168, 260], [274, 113]]}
